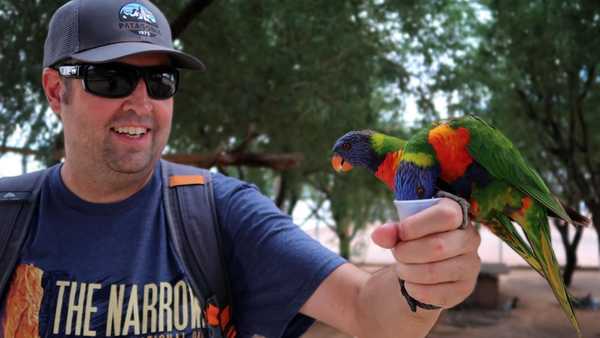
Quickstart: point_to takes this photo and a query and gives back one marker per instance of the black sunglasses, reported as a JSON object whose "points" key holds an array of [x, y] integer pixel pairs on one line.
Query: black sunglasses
{"points": [[115, 80]]}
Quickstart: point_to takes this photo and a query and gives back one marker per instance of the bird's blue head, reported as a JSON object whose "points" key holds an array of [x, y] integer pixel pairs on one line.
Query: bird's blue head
{"points": [[414, 182], [355, 149]]}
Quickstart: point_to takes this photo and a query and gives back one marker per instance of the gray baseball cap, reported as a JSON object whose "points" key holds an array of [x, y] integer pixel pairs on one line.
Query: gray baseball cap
{"points": [[97, 31]]}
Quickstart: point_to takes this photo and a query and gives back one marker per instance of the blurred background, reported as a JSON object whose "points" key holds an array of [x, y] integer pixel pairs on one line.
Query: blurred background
{"points": [[286, 78]]}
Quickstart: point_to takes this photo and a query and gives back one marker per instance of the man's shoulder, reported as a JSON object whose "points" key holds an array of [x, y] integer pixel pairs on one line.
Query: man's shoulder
{"points": [[224, 186], [25, 181]]}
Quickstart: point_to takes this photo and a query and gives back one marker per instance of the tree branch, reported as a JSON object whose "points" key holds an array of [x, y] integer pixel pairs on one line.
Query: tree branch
{"points": [[529, 109], [251, 135], [275, 161], [584, 146], [189, 12], [293, 201], [577, 237], [17, 150], [279, 162], [580, 113], [551, 121], [589, 82], [563, 229], [572, 81], [314, 212], [282, 190], [355, 231], [551, 128]]}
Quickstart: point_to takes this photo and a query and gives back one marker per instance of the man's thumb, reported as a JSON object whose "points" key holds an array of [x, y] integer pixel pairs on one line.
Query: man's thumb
{"points": [[386, 235]]}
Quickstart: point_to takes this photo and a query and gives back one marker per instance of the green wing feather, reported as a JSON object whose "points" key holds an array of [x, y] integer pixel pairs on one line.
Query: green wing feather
{"points": [[496, 153], [383, 143]]}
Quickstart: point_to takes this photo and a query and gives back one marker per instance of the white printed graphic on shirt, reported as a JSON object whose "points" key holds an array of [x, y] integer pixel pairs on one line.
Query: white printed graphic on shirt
{"points": [[80, 309]]}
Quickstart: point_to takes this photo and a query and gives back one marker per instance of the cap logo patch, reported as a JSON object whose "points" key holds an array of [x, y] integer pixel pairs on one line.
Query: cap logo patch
{"points": [[138, 19]]}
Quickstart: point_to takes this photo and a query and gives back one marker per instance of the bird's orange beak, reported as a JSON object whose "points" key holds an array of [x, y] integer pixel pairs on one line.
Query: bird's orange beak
{"points": [[339, 164]]}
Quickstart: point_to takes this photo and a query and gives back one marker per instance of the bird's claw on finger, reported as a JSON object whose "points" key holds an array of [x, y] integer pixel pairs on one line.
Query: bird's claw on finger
{"points": [[413, 303]]}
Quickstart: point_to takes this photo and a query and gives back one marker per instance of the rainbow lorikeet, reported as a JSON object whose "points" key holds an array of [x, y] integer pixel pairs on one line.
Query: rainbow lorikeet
{"points": [[471, 159]]}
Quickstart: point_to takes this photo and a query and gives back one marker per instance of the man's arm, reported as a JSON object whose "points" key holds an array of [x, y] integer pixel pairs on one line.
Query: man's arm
{"points": [[438, 261]]}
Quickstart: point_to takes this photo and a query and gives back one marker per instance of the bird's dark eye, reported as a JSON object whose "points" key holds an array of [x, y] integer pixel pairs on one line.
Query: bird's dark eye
{"points": [[346, 146], [420, 192]]}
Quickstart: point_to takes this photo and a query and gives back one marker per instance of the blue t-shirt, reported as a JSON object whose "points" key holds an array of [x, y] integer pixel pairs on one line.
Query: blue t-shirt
{"points": [[109, 269]]}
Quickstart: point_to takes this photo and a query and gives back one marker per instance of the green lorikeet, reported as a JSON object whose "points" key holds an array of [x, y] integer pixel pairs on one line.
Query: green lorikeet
{"points": [[469, 158]]}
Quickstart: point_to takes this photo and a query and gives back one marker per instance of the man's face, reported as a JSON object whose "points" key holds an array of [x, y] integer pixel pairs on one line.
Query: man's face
{"points": [[99, 131]]}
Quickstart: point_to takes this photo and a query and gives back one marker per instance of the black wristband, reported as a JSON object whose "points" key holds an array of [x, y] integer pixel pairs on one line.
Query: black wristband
{"points": [[413, 304]]}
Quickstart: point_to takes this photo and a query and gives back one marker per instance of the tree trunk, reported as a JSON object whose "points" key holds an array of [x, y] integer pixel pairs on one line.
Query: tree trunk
{"points": [[281, 191], [595, 210], [344, 245], [293, 200], [571, 254], [570, 249], [187, 15], [598, 240]]}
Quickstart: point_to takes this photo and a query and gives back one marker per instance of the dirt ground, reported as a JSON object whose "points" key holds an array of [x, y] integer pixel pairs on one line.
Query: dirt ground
{"points": [[537, 314]]}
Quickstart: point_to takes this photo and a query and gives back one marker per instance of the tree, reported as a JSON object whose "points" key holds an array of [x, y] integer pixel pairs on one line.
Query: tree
{"points": [[545, 76], [22, 104], [531, 68], [356, 198], [295, 76]]}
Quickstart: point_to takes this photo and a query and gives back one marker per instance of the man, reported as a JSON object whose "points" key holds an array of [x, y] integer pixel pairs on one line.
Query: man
{"points": [[98, 262]]}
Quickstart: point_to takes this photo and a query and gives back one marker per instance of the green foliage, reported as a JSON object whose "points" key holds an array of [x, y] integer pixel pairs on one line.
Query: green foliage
{"points": [[299, 74], [22, 103]]}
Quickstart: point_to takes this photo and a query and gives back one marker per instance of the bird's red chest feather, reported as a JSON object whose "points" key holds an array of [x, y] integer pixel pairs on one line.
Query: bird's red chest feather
{"points": [[450, 147], [386, 171]]}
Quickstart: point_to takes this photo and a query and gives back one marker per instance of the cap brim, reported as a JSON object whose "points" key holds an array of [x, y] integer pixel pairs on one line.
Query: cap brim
{"points": [[119, 50]]}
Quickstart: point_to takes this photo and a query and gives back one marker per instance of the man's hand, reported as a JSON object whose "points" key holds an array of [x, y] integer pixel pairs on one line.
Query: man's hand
{"points": [[438, 261]]}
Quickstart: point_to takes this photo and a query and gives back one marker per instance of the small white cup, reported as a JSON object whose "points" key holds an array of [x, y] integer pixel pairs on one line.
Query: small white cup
{"points": [[411, 207]]}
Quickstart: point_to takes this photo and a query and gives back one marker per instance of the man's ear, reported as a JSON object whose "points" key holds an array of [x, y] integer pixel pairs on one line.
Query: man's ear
{"points": [[53, 88]]}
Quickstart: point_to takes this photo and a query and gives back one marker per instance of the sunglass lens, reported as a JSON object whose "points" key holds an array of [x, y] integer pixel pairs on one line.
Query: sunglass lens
{"points": [[109, 81], [162, 84]]}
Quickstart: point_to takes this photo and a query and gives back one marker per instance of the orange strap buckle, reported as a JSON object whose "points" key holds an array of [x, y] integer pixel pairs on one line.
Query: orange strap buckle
{"points": [[175, 181]]}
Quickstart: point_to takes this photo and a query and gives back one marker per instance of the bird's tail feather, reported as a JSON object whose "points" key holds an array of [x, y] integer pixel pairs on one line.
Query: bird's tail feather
{"points": [[509, 234], [539, 240]]}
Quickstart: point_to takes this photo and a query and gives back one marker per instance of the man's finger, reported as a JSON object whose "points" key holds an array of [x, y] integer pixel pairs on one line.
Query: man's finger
{"points": [[455, 269], [437, 247], [444, 216], [386, 235]]}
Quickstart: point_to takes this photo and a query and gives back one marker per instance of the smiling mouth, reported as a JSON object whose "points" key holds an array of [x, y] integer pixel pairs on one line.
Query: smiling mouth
{"points": [[133, 132]]}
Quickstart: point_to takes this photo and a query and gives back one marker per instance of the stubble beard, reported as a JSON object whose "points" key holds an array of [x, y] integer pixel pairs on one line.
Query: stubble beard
{"points": [[128, 162], [122, 160]]}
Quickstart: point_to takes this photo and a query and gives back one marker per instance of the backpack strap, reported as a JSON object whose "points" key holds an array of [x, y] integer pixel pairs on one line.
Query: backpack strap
{"points": [[195, 231], [19, 197]]}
